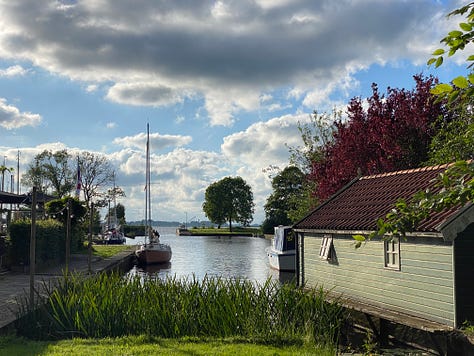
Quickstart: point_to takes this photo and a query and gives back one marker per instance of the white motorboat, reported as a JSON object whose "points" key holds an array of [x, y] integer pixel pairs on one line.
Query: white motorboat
{"points": [[282, 254]]}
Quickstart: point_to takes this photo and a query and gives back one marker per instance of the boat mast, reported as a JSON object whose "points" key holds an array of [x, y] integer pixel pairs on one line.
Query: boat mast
{"points": [[147, 185]]}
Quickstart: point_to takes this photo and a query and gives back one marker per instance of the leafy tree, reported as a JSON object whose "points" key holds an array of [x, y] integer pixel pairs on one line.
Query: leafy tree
{"points": [[457, 40], [118, 211], [457, 182], [230, 199], [287, 195], [316, 135], [57, 210], [455, 139], [213, 205], [4, 169], [51, 173], [394, 132], [96, 174]]}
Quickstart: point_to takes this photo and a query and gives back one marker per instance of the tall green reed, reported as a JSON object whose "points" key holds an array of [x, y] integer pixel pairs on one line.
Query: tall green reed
{"points": [[109, 305]]}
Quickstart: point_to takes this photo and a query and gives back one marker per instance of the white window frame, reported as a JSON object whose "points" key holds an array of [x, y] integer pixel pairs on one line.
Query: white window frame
{"points": [[325, 249], [391, 249]]}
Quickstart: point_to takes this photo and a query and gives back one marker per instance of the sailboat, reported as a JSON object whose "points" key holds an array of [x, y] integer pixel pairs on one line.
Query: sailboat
{"points": [[153, 251], [113, 234]]}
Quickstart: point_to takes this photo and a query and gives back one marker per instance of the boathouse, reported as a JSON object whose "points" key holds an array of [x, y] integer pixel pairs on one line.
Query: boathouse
{"points": [[422, 280]]}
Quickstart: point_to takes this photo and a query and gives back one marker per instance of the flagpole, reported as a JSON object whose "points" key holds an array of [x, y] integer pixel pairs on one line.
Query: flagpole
{"points": [[78, 180]]}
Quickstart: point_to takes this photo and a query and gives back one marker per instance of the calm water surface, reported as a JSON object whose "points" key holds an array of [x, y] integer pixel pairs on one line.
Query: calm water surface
{"points": [[227, 257]]}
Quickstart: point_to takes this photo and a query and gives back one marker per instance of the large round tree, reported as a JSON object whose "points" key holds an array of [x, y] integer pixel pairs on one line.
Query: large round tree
{"points": [[287, 196], [227, 200]]}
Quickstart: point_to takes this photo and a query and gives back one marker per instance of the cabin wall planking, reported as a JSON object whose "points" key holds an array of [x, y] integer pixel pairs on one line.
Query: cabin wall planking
{"points": [[422, 287]]}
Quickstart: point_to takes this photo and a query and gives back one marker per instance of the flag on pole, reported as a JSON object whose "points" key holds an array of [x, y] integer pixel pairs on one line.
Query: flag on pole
{"points": [[78, 180]]}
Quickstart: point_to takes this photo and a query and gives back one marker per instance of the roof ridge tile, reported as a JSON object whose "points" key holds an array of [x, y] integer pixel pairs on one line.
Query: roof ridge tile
{"points": [[408, 171]]}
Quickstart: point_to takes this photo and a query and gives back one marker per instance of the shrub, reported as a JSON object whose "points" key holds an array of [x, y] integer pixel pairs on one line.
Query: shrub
{"points": [[50, 241]]}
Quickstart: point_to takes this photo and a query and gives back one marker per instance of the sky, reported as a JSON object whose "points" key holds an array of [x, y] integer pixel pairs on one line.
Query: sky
{"points": [[223, 84]]}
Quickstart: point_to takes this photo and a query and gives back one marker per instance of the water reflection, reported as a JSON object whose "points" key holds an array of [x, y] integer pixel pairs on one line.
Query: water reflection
{"points": [[227, 257]]}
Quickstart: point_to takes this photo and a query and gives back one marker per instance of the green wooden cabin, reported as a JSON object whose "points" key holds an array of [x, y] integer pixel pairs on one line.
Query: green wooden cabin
{"points": [[428, 277]]}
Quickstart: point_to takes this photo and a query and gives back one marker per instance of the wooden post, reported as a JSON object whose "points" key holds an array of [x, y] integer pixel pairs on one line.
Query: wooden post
{"points": [[68, 234], [89, 246], [33, 249]]}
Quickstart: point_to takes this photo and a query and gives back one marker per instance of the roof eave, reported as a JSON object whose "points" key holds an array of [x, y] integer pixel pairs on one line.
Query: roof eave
{"points": [[365, 232], [457, 223]]}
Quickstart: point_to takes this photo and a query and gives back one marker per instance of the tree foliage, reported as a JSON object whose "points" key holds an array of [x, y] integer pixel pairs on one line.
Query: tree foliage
{"points": [[461, 87], [286, 198], [57, 210], [393, 133], [456, 184], [228, 200], [4, 169], [117, 211], [316, 134], [455, 139], [97, 174], [51, 172]]}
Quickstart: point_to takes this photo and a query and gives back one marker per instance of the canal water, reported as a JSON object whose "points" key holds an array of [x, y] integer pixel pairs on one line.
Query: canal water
{"points": [[198, 256]]}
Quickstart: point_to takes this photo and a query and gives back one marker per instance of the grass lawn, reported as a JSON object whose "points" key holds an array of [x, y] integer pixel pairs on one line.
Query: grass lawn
{"points": [[105, 251], [12, 346]]}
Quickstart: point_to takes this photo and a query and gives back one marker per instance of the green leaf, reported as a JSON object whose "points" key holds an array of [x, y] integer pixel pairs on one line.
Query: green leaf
{"points": [[439, 61], [461, 82], [453, 96], [431, 61], [438, 52], [455, 33], [444, 88], [470, 58], [360, 238], [471, 78], [465, 26]]}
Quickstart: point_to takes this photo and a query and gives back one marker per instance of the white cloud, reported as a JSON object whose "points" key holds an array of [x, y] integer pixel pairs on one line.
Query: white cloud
{"points": [[228, 53], [92, 88], [262, 144], [179, 180], [157, 141], [11, 117], [13, 71]]}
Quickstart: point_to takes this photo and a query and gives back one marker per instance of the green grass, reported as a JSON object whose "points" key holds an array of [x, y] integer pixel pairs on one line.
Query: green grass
{"points": [[105, 251], [141, 345]]}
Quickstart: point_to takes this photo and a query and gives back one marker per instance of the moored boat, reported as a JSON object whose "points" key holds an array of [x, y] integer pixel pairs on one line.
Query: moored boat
{"points": [[152, 251], [114, 237], [183, 231], [282, 254]]}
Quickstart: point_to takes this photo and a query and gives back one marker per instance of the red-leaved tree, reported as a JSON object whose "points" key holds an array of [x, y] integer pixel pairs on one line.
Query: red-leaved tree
{"points": [[393, 133]]}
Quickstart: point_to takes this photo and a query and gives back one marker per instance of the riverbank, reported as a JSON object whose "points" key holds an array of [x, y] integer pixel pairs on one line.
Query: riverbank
{"points": [[238, 231], [15, 284]]}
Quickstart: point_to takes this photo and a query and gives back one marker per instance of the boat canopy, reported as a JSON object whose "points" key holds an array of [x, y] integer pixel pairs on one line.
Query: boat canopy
{"points": [[283, 239]]}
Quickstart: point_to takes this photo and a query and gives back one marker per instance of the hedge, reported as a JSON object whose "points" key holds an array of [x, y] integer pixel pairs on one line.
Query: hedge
{"points": [[50, 241]]}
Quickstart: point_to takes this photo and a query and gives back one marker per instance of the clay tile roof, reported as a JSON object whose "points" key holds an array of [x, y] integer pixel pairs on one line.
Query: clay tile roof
{"points": [[357, 206]]}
